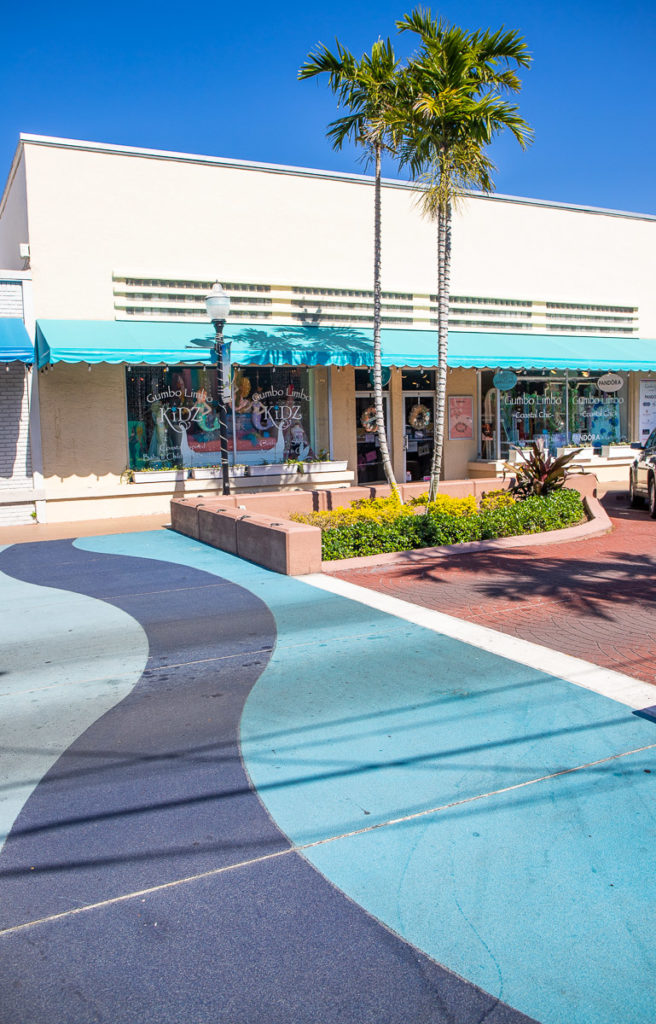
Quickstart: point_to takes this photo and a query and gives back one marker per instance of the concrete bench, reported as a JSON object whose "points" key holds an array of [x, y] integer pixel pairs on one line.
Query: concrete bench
{"points": [[293, 549]]}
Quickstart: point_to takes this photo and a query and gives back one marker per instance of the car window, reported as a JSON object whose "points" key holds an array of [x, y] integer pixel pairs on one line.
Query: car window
{"points": [[651, 441]]}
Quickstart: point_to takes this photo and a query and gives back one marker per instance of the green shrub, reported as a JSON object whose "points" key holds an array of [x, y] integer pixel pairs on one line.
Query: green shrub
{"points": [[372, 536], [445, 503], [377, 510], [496, 499]]}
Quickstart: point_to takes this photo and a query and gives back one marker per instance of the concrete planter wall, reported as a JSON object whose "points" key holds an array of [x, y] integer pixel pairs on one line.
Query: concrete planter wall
{"points": [[215, 472], [618, 451], [273, 469], [584, 452], [517, 455], [327, 466], [158, 476]]}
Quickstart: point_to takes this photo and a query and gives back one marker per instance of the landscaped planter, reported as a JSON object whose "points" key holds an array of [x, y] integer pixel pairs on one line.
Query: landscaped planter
{"points": [[516, 455], [584, 451], [324, 467], [215, 472], [158, 476], [618, 451], [273, 469]]}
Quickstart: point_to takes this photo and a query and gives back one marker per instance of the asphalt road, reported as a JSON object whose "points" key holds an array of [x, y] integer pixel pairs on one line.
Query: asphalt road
{"points": [[231, 796]]}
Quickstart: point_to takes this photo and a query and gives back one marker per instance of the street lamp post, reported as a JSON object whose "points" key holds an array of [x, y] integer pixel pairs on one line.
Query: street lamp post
{"points": [[217, 304]]}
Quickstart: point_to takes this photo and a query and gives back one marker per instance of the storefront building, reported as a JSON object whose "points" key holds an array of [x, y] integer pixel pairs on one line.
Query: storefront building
{"points": [[552, 311]]}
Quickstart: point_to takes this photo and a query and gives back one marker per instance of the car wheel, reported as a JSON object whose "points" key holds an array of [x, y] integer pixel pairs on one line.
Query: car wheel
{"points": [[635, 500], [652, 498]]}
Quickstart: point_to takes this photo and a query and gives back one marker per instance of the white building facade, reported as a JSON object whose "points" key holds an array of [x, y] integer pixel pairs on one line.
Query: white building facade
{"points": [[547, 300]]}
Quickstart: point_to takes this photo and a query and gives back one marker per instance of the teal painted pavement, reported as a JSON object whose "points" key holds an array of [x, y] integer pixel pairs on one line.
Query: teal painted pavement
{"points": [[543, 895], [66, 660]]}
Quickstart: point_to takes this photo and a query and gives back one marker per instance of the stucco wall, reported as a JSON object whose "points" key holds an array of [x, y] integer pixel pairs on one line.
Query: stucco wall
{"points": [[92, 213], [13, 217], [458, 453], [397, 425], [83, 426], [343, 398]]}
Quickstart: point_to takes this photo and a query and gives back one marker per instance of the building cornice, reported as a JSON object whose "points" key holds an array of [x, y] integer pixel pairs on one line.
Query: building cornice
{"points": [[303, 172]]}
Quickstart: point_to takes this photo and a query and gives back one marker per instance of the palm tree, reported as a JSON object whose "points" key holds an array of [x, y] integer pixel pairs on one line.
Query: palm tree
{"points": [[452, 109], [368, 89]]}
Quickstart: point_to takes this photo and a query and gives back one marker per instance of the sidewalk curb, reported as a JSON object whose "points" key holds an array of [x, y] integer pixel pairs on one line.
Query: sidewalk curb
{"points": [[598, 524]]}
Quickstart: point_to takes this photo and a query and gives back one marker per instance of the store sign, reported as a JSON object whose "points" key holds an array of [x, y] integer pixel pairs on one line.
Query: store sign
{"points": [[504, 380], [610, 382], [647, 408], [385, 377], [461, 418]]}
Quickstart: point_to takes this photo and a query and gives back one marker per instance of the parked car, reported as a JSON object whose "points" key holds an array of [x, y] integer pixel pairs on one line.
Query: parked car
{"points": [[642, 476]]}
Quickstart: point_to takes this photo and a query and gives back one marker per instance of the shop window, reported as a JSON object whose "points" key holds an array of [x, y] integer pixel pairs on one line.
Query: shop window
{"points": [[173, 416], [272, 414], [554, 409], [418, 380]]}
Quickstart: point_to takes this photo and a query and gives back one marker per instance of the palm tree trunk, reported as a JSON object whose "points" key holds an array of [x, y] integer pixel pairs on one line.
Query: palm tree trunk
{"points": [[443, 299], [378, 384]]}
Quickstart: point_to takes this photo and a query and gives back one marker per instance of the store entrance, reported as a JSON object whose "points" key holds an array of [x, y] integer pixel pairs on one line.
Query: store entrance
{"points": [[418, 418], [370, 463], [418, 422]]}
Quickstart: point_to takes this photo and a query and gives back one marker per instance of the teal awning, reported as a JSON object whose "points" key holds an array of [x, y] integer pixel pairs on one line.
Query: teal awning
{"points": [[150, 342], [118, 341], [516, 351], [123, 341], [15, 344]]}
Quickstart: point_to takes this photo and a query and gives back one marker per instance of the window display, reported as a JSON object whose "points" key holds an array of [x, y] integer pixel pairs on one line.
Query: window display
{"points": [[554, 409], [173, 416]]}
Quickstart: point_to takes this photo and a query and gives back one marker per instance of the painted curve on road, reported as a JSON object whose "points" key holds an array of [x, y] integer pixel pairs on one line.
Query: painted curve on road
{"points": [[66, 660], [155, 791], [360, 718]]}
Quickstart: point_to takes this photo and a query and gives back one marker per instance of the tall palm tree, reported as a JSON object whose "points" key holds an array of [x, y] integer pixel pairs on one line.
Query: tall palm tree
{"points": [[452, 109], [368, 90]]}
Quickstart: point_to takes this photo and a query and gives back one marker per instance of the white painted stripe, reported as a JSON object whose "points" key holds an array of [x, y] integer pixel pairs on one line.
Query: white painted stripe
{"points": [[619, 687]]}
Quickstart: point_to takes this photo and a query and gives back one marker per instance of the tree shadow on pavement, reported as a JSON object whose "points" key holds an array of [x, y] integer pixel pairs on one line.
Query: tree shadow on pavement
{"points": [[587, 579]]}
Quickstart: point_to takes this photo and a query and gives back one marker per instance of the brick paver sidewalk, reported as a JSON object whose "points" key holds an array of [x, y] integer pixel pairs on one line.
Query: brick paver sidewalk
{"points": [[595, 599]]}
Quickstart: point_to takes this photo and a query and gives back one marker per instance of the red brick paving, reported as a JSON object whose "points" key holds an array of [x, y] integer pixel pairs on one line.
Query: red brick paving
{"points": [[594, 599]]}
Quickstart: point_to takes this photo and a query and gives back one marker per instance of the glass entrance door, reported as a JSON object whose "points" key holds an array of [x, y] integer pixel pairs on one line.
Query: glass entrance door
{"points": [[419, 408], [370, 464]]}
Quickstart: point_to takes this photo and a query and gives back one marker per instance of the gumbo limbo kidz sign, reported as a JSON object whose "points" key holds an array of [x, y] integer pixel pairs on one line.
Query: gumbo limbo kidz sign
{"points": [[173, 416]]}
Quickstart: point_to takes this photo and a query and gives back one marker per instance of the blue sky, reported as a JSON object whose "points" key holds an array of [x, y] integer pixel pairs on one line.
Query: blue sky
{"points": [[220, 79]]}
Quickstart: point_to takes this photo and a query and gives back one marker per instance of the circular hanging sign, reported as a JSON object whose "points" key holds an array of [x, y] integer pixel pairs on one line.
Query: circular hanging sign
{"points": [[385, 374], [504, 380], [610, 382]]}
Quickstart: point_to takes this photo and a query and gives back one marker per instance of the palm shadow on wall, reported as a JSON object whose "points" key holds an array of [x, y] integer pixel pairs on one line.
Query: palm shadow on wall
{"points": [[305, 344]]}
